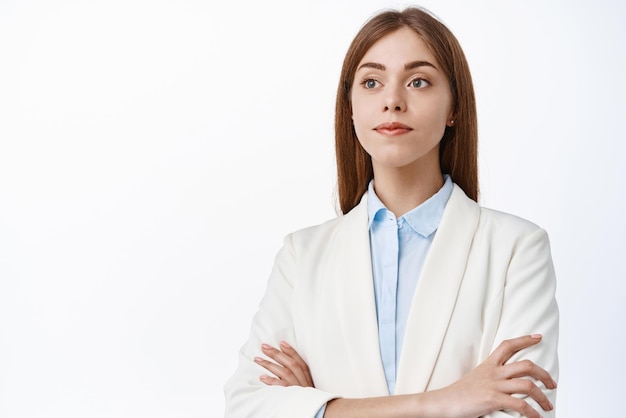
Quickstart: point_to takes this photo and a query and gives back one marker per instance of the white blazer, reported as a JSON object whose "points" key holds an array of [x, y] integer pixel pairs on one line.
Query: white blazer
{"points": [[488, 277]]}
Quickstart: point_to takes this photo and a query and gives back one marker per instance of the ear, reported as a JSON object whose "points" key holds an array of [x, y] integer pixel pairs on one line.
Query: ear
{"points": [[451, 120]]}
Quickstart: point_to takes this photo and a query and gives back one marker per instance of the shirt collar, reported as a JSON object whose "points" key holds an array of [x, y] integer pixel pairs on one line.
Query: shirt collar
{"points": [[424, 219]]}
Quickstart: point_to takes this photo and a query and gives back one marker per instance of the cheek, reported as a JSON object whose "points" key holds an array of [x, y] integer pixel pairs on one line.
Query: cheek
{"points": [[433, 114], [362, 111], [361, 124]]}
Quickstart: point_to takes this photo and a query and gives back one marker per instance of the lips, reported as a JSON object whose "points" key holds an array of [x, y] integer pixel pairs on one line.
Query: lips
{"points": [[392, 128]]}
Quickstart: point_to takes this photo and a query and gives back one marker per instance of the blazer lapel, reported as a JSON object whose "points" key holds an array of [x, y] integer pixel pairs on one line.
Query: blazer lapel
{"points": [[355, 293], [436, 293]]}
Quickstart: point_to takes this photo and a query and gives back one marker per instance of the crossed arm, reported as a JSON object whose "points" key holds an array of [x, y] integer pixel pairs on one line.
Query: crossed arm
{"points": [[487, 388], [506, 383]]}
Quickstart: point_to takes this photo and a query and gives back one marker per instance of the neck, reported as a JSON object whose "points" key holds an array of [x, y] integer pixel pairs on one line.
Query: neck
{"points": [[402, 189]]}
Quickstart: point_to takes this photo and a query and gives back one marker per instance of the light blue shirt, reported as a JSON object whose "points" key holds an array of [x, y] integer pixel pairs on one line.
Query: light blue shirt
{"points": [[399, 247]]}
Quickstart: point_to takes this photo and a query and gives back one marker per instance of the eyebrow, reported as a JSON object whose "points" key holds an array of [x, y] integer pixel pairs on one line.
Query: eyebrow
{"points": [[408, 66]]}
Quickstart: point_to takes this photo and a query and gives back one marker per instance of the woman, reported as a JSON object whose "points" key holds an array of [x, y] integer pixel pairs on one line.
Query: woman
{"points": [[416, 302]]}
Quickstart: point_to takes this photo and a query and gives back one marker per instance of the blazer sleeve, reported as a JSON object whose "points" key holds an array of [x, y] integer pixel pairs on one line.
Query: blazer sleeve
{"points": [[527, 305], [245, 395]]}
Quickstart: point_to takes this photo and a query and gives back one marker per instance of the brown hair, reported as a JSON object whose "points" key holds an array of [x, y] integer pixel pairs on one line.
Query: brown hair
{"points": [[458, 152]]}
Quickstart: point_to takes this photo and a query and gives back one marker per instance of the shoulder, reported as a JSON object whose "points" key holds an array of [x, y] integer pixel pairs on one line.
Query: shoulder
{"points": [[492, 224], [512, 233], [502, 247], [495, 219], [336, 230]]}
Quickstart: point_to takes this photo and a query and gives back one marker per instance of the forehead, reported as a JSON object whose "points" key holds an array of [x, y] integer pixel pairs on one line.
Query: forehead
{"points": [[401, 46]]}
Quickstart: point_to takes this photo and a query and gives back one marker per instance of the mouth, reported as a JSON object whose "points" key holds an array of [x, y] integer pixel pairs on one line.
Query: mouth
{"points": [[392, 128]]}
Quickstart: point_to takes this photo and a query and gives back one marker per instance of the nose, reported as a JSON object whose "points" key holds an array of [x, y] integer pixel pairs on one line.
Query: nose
{"points": [[394, 100]]}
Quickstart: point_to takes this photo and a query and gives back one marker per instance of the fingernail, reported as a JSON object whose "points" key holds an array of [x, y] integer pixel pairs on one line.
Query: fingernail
{"points": [[554, 384], [263, 377], [551, 406], [258, 359], [265, 346], [537, 336], [284, 344]]}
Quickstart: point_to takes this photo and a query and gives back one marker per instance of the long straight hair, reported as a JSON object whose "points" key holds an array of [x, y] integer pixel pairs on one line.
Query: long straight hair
{"points": [[458, 150]]}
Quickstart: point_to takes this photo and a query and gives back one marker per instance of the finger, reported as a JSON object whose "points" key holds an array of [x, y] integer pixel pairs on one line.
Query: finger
{"points": [[289, 369], [272, 381], [279, 371], [291, 352], [511, 403], [507, 348], [526, 368], [290, 364], [527, 387]]}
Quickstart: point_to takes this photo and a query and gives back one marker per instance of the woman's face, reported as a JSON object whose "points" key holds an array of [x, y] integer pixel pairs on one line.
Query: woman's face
{"points": [[401, 102]]}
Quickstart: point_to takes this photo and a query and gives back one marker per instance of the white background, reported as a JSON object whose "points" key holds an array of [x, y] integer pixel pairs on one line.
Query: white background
{"points": [[153, 154]]}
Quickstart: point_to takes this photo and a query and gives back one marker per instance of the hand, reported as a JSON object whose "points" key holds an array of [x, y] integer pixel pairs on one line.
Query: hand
{"points": [[289, 369], [489, 386]]}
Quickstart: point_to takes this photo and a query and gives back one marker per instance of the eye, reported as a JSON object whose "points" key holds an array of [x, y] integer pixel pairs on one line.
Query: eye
{"points": [[369, 83], [419, 83]]}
